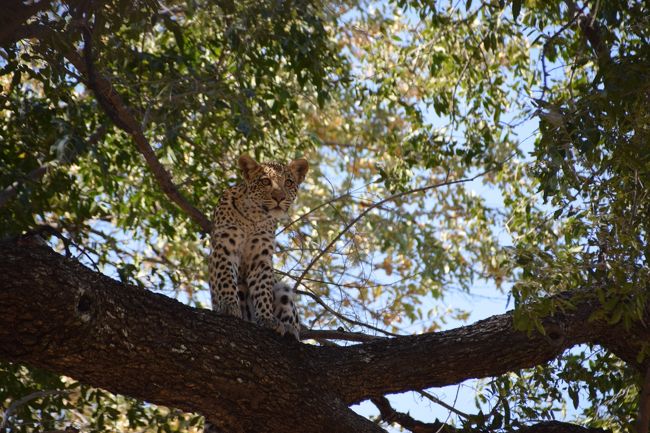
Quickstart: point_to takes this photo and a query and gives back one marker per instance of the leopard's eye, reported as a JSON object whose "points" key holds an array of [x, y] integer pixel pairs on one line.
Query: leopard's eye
{"points": [[288, 183], [266, 181]]}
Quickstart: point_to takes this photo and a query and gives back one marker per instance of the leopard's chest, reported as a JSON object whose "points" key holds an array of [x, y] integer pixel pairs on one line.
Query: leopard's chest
{"points": [[257, 242], [248, 243]]}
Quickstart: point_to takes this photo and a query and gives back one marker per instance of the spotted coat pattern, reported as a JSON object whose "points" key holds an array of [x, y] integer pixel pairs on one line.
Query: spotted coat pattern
{"points": [[242, 243]]}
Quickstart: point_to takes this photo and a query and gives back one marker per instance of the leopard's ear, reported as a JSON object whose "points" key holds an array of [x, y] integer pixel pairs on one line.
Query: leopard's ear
{"points": [[299, 169], [248, 166]]}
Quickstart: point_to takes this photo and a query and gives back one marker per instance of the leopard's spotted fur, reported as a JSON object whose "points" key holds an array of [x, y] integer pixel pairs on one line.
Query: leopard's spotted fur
{"points": [[242, 283]]}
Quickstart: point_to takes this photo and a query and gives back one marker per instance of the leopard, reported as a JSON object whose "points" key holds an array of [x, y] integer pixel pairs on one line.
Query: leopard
{"points": [[242, 243]]}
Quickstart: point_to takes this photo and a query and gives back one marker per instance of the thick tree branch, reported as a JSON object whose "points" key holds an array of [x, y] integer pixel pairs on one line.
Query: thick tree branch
{"points": [[327, 334], [487, 348], [59, 315]]}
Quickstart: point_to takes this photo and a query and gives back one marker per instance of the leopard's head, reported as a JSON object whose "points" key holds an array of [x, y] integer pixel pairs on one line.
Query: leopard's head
{"points": [[272, 186]]}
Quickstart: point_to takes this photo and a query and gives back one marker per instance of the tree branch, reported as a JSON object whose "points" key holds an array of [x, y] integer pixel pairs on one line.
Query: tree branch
{"points": [[26, 399], [449, 407], [486, 348], [340, 316], [390, 415], [643, 419], [372, 207], [328, 334], [115, 108], [59, 315], [558, 427]]}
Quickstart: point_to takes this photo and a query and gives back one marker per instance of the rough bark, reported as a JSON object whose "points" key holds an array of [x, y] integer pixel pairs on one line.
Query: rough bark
{"points": [[59, 315]]}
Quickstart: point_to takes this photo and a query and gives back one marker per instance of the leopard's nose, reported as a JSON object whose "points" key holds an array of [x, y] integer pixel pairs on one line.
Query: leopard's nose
{"points": [[278, 195]]}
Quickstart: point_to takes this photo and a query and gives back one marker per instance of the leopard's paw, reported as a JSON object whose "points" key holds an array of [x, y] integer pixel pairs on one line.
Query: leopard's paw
{"points": [[271, 323], [229, 309], [292, 329]]}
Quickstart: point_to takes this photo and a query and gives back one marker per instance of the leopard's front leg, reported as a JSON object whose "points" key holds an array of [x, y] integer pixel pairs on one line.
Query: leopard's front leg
{"points": [[224, 271], [260, 282]]}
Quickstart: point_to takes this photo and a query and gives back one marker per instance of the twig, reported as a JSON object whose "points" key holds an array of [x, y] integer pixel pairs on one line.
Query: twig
{"points": [[449, 407], [316, 298], [29, 397], [326, 203], [374, 206], [547, 44]]}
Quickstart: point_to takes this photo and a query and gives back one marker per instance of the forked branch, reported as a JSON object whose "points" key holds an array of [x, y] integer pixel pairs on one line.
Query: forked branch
{"points": [[116, 109]]}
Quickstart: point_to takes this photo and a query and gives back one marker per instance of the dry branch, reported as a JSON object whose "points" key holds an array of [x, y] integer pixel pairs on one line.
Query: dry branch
{"points": [[389, 415], [373, 206]]}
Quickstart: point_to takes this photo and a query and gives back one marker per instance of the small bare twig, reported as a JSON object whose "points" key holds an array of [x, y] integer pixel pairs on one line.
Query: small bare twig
{"points": [[322, 205], [374, 206], [320, 302], [437, 401], [547, 44]]}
